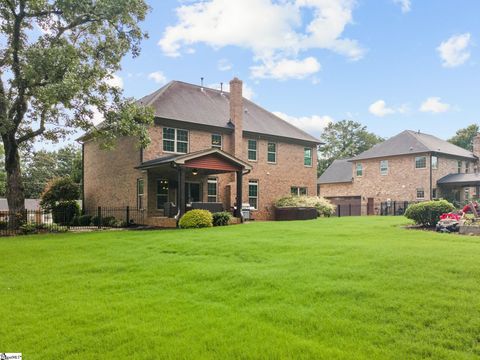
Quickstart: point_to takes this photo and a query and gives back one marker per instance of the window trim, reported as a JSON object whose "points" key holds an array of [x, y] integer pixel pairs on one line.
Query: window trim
{"points": [[140, 196], [255, 150], [459, 166], [384, 173], [212, 180], [467, 167], [272, 152], [434, 165], [297, 189], [357, 169], [418, 158], [253, 182], [221, 141], [311, 157], [175, 140], [420, 197]]}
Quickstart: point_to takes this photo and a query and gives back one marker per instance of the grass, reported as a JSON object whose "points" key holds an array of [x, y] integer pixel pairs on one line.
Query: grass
{"points": [[339, 288]]}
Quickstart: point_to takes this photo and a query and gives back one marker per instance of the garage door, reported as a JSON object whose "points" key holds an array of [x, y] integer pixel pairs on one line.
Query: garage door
{"points": [[347, 205]]}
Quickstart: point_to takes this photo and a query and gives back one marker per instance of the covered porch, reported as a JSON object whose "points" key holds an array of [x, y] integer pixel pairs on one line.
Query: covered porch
{"points": [[209, 179], [460, 188]]}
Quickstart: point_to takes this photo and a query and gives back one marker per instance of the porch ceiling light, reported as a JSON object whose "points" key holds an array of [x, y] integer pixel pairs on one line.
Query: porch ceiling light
{"points": [[195, 172]]}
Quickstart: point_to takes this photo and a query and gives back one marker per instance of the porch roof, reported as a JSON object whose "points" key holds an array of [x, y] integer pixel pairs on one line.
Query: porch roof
{"points": [[186, 159], [470, 179]]}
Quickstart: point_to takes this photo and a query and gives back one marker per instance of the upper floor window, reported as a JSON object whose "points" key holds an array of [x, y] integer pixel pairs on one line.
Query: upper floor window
{"points": [[175, 140], [434, 162], [217, 141], [420, 162], [272, 152], [307, 156], [384, 167], [253, 193], [420, 193], [252, 150], [459, 166], [212, 189], [359, 169], [298, 190], [467, 167]]}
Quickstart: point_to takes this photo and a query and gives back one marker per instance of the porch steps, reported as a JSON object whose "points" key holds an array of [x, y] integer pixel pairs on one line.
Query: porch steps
{"points": [[161, 221]]}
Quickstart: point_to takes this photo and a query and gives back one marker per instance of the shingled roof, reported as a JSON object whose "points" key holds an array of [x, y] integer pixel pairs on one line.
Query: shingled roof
{"points": [[200, 105], [412, 142], [340, 171]]}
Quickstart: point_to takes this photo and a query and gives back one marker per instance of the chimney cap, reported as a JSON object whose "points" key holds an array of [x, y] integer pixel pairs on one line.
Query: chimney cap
{"points": [[235, 79]]}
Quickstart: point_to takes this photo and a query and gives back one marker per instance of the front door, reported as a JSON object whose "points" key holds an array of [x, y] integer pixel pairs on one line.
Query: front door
{"points": [[192, 192], [370, 206], [162, 193]]}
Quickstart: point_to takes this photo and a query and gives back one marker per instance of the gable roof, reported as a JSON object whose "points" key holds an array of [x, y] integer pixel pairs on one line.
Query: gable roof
{"points": [[340, 171], [412, 142], [200, 105]]}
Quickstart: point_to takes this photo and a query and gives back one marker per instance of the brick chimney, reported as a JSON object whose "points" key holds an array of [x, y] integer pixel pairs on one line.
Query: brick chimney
{"points": [[476, 149], [236, 116]]}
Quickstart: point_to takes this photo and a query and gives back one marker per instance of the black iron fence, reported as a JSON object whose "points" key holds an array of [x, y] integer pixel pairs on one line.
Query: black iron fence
{"points": [[387, 208], [41, 221]]}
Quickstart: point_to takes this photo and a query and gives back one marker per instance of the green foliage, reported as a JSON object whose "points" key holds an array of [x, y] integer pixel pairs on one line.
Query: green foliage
{"points": [[3, 225], [64, 212], [428, 213], [344, 139], [323, 206], [57, 190], [109, 221], [221, 218], [28, 228], [84, 220], [196, 219], [464, 137]]}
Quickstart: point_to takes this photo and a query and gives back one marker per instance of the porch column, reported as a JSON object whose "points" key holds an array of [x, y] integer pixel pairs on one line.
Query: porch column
{"points": [[181, 191], [238, 211]]}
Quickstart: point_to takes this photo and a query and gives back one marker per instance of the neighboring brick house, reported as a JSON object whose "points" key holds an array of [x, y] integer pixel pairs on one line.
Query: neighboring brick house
{"points": [[410, 166], [206, 146]]}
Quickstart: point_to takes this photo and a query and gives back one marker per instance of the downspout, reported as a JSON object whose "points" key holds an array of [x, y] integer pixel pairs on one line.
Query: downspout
{"points": [[431, 178], [83, 178]]}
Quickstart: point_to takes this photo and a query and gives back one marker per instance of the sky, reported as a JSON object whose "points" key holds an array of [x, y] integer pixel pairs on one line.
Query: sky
{"points": [[388, 64]]}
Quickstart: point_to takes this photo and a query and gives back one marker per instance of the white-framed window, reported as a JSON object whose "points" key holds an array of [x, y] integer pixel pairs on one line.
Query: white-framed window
{"points": [[434, 162], [162, 192], [459, 166], [359, 169], [420, 193], [217, 141], [272, 152], [175, 140], [383, 167], [299, 190], [140, 193], [212, 189], [253, 193], [252, 150], [420, 162], [467, 167], [307, 157]]}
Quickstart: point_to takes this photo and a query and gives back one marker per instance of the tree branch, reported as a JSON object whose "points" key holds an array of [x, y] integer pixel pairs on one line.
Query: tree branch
{"points": [[41, 129]]}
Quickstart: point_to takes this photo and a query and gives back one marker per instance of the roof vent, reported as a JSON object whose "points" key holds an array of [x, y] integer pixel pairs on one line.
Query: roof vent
{"points": [[201, 83], [418, 132], [221, 87]]}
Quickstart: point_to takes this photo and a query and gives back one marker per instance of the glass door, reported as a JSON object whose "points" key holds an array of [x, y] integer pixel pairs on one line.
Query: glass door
{"points": [[162, 193], [192, 192]]}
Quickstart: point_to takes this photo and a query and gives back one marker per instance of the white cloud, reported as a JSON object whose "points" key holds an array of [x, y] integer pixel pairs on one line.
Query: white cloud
{"points": [[286, 69], [380, 108], [115, 80], [312, 124], [434, 105], [224, 65], [247, 91], [274, 31], [454, 51], [406, 5], [158, 77]]}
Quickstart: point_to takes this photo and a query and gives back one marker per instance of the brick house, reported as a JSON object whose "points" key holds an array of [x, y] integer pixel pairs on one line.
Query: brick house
{"points": [[207, 146], [410, 166]]}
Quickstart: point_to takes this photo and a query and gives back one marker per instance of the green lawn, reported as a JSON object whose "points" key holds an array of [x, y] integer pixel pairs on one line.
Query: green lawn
{"points": [[339, 288]]}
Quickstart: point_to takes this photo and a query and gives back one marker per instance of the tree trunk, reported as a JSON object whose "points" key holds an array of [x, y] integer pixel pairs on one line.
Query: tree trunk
{"points": [[15, 190]]}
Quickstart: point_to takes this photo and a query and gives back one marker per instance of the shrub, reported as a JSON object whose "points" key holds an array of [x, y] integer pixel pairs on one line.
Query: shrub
{"points": [[109, 221], [64, 212], [28, 228], [3, 225], [221, 218], [196, 219], [428, 213], [323, 206], [84, 220], [59, 190]]}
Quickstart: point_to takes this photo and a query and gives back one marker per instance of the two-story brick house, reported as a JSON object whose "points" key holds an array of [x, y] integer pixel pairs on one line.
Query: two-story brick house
{"points": [[207, 146], [410, 166]]}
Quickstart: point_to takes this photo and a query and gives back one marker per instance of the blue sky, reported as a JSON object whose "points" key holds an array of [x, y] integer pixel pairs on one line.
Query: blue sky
{"points": [[389, 64]]}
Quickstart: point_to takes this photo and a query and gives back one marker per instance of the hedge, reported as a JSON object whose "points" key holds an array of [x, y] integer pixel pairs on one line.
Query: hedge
{"points": [[428, 213], [196, 219]]}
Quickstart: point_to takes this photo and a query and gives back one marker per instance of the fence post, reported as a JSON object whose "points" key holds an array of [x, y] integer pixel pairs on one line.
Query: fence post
{"points": [[394, 208], [99, 216], [128, 215], [349, 209], [338, 210]]}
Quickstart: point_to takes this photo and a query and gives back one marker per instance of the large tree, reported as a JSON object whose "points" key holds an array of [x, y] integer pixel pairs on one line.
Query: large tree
{"points": [[344, 139], [464, 137], [56, 57]]}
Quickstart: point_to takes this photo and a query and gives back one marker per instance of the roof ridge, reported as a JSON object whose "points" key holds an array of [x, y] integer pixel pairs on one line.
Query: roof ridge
{"points": [[414, 135]]}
